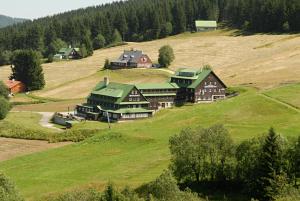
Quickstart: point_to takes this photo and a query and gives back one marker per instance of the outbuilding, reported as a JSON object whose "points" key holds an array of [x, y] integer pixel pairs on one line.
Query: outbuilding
{"points": [[15, 86], [205, 25]]}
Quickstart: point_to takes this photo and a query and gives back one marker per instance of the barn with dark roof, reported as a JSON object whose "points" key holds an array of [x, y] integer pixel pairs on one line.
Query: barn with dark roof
{"points": [[132, 59]]}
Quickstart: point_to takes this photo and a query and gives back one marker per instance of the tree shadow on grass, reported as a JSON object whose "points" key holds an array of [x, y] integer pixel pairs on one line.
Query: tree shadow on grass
{"points": [[218, 191]]}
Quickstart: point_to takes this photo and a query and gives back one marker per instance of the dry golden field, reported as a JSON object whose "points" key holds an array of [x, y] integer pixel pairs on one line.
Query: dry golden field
{"points": [[262, 61]]}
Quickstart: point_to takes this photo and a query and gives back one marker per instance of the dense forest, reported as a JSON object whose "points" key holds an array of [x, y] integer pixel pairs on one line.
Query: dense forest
{"points": [[141, 20]]}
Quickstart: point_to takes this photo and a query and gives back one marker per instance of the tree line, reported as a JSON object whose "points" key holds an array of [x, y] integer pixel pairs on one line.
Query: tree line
{"points": [[141, 20], [265, 168]]}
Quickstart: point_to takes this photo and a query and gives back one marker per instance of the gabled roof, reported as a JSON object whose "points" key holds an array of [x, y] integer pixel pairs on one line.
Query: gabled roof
{"points": [[201, 77], [166, 85], [206, 23], [195, 75], [67, 51], [115, 90], [12, 83], [130, 56]]}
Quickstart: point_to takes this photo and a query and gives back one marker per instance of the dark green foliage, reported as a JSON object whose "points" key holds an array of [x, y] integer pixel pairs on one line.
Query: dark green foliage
{"points": [[78, 195], [4, 92], [87, 42], [26, 67], [4, 107], [165, 188], [83, 51], [106, 64], [55, 46], [99, 42], [140, 20], [117, 38], [50, 58], [7, 190], [270, 168], [166, 56], [166, 30], [202, 154], [5, 57]]}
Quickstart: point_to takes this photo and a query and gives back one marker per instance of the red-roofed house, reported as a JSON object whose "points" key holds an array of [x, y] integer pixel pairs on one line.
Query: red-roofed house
{"points": [[15, 86]]}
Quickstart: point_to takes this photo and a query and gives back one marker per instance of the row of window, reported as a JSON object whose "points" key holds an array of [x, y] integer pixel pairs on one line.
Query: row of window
{"points": [[133, 116], [84, 109], [134, 99], [149, 91], [211, 83]]}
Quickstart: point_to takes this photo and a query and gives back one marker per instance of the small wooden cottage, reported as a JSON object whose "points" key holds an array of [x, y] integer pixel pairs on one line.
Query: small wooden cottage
{"points": [[132, 59], [68, 53], [15, 87], [204, 25]]}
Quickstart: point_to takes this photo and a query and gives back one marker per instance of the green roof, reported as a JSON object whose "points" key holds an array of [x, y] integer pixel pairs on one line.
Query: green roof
{"points": [[115, 90], [116, 93], [200, 78], [67, 51], [206, 23], [157, 86]]}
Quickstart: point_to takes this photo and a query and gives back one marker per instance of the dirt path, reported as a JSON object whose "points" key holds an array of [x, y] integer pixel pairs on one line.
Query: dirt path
{"points": [[45, 120], [11, 148]]}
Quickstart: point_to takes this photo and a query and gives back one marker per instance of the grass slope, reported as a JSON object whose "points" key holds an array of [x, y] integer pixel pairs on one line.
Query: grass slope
{"points": [[262, 61], [289, 94], [136, 152]]}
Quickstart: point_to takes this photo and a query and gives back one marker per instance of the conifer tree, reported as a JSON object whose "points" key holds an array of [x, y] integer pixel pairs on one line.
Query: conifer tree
{"points": [[26, 67], [270, 178], [117, 38]]}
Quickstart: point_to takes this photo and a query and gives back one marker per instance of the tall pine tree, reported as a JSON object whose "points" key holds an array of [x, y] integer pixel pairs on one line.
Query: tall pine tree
{"points": [[26, 67]]}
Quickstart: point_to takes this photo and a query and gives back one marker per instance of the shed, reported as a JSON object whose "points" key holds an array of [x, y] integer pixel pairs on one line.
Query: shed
{"points": [[15, 86], [205, 25]]}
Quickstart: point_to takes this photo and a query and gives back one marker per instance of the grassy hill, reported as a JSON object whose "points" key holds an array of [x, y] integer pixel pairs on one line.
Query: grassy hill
{"points": [[262, 61], [135, 152], [6, 21]]}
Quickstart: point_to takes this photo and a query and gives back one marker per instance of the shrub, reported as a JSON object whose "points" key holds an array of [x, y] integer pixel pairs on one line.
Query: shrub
{"points": [[3, 90], [106, 64], [4, 107], [8, 191], [166, 56], [99, 42]]}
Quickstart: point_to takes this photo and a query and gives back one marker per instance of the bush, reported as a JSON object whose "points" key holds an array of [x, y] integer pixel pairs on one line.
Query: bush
{"points": [[8, 191], [4, 107], [106, 64], [166, 56], [5, 57], [4, 90], [99, 42]]}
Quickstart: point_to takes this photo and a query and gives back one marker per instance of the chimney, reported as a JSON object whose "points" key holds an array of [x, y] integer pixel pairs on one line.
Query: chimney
{"points": [[106, 81]]}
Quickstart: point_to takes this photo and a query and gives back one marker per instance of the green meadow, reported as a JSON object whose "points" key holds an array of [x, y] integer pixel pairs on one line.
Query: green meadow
{"points": [[132, 153]]}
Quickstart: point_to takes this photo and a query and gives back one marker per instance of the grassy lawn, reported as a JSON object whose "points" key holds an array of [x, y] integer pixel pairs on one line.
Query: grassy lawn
{"points": [[289, 94], [86, 84], [132, 153]]}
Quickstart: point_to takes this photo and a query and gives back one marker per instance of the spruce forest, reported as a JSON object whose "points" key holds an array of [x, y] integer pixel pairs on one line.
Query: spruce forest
{"points": [[142, 20]]}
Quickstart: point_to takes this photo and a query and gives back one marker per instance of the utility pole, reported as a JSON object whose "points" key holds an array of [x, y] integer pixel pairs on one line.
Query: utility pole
{"points": [[108, 120]]}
